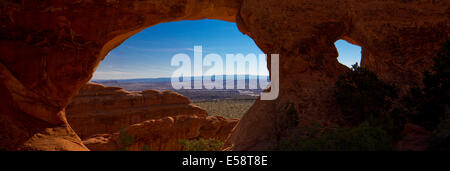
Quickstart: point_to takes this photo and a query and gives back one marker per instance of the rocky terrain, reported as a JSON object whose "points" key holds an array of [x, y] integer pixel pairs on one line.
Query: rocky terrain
{"points": [[98, 109], [50, 49], [164, 134], [155, 119]]}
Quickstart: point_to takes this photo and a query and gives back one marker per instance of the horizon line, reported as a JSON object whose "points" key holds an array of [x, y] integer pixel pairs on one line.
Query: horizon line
{"points": [[165, 77]]}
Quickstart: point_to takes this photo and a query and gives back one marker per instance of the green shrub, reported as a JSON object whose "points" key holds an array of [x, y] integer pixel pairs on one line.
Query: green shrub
{"points": [[146, 148], [429, 104], [365, 137], [125, 139], [360, 95], [440, 138], [365, 102], [201, 145]]}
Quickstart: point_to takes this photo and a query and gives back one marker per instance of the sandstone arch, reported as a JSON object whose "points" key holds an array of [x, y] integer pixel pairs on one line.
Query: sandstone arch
{"points": [[51, 48]]}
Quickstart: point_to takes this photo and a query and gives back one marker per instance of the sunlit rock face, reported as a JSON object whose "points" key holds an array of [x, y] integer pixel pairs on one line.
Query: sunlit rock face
{"points": [[155, 120], [163, 134], [50, 49], [104, 110]]}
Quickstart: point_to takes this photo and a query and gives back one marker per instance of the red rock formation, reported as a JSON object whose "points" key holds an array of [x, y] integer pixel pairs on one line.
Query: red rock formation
{"points": [[164, 134], [398, 40], [158, 119], [104, 110], [50, 49]]}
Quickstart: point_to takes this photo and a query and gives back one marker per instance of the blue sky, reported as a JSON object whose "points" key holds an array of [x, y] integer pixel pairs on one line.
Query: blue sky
{"points": [[349, 54], [148, 54]]}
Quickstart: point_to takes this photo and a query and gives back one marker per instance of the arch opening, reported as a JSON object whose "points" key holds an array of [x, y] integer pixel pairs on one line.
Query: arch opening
{"points": [[349, 54], [144, 63]]}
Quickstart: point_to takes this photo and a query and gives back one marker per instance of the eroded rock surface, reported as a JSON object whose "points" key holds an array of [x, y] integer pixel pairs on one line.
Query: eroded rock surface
{"points": [[398, 40], [104, 110], [50, 49], [164, 134]]}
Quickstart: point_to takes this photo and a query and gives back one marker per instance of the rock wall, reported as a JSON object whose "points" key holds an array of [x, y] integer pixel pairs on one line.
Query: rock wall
{"points": [[51, 48], [104, 110], [398, 41], [164, 134]]}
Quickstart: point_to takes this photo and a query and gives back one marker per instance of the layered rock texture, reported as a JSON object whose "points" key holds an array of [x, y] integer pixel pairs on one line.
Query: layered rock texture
{"points": [[163, 134], [153, 119], [51, 48], [104, 110]]}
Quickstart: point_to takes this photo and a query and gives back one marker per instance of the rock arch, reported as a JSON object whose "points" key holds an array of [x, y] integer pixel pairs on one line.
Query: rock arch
{"points": [[51, 48]]}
